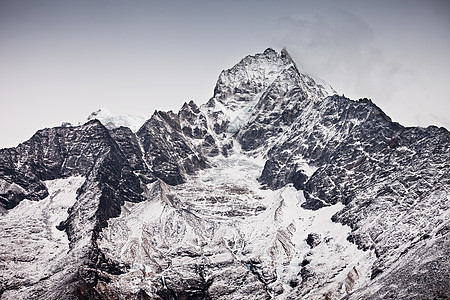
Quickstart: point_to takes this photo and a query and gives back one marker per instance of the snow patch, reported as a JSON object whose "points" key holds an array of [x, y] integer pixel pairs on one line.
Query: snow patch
{"points": [[224, 212], [110, 121], [33, 247], [305, 167]]}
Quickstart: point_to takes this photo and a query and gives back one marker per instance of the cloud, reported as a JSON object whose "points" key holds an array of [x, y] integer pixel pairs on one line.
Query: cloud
{"points": [[340, 48]]}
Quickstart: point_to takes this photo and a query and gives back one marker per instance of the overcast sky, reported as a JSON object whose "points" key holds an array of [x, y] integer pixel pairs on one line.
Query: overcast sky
{"points": [[61, 60]]}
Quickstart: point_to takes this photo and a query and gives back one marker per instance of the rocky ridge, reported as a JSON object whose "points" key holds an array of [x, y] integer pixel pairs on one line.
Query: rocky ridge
{"points": [[275, 188]]}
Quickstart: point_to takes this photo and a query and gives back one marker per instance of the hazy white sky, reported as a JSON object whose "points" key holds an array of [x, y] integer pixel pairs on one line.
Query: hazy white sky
{"points": [[61, 60]]}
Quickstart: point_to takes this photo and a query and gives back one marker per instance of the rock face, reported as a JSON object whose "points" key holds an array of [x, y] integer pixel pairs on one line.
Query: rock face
{"points": [[276, 188]]}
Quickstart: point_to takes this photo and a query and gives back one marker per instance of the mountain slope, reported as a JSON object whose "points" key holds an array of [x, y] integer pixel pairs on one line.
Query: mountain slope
{"points": [[275, 188]]}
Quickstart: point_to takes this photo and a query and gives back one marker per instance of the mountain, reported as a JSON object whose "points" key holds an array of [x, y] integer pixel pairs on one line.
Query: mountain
{"points": [[275, 188], [134, 122]]}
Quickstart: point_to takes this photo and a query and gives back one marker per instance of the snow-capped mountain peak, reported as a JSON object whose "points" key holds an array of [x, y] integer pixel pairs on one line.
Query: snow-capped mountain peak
{"points": [[110, 121], [273, 189], [250, 76]]}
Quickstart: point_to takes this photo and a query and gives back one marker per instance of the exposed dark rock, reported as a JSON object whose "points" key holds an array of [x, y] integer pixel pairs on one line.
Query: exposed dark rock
{"points": [[166, 150], [293, 283], [313, 240]]}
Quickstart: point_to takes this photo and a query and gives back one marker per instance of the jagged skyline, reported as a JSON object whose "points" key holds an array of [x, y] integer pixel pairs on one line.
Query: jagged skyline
{"points": [[61, 61], [271, 190]]}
